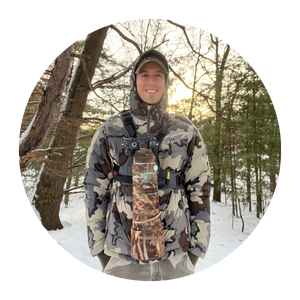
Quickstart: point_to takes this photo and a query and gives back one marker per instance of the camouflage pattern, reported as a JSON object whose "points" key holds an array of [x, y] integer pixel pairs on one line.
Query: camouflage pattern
{"points": [[185, 212], [148, 59], [171, 268], [147, 235]]}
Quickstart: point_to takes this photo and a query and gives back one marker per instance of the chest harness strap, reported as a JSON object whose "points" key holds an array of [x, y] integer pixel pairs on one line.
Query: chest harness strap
{"points": [[137, 141]]}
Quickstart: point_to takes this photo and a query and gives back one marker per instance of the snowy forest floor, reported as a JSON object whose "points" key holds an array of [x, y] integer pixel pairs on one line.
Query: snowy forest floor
{"points": [[224, 238]]}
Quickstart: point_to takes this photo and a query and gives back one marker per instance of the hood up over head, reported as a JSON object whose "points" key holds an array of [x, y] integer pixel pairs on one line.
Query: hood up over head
{"points": [[142, 112]]}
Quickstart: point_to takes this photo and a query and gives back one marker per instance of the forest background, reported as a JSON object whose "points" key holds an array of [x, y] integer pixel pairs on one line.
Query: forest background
{"points": [[210, 83]]}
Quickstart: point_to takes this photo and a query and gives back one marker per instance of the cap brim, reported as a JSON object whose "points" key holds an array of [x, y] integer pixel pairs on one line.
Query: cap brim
{"points": [[157, 61]]}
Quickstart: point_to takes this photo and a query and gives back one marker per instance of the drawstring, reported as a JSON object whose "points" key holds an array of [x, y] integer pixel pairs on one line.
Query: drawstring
{"points": [[140, 222]]}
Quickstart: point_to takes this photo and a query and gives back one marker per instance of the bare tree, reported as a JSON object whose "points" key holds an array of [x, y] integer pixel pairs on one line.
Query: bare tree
{"points": [[219, 70], [111, 90], [219, 66], [36, 133], [50, 187]]}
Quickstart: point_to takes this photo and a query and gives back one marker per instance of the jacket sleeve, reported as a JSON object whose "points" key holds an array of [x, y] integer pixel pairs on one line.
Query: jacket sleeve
{"points": [[197, 183], [97, 185]]}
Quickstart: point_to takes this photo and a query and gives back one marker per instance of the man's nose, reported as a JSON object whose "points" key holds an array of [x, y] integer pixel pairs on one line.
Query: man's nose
{"points": [[151, 80]]}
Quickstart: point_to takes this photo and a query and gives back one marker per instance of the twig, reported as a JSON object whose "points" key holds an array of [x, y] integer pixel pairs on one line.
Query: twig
{"points": [[99, 84], [188, 40], [89, 81], [92, 119], [85, 137], [74, 188], [126, 38], [75, 166], [84, 155], [198, 93], [34, 155], [74, 192]]}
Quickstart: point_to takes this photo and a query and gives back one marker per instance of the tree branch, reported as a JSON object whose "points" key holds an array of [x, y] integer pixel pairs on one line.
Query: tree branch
{"points": [[75, 166], [84, 155], [48, 151], [36, 155], [225, 56], [206, 98], [127, 39], [89, 81], [189, 42], [85, 137], [91, 119], [99, 84], [163, 41], [74, 188], [84, 69]]}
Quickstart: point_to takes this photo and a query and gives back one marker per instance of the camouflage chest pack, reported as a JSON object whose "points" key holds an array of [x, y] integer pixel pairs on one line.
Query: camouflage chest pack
{"points": [[143, 172], [147, 237]]}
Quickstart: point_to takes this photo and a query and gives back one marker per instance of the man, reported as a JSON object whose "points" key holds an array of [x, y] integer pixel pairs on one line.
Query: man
{"points": [[183, 182]]}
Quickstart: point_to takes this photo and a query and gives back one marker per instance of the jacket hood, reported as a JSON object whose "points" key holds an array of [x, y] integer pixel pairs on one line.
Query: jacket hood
{"points": [[138, 108]]}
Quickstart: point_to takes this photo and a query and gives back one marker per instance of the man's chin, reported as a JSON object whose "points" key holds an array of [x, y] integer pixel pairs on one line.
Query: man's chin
{"points": [[151, 103]]}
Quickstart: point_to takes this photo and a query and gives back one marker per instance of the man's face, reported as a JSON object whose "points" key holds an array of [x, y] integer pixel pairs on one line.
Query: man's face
{"points": [[151, 82]]}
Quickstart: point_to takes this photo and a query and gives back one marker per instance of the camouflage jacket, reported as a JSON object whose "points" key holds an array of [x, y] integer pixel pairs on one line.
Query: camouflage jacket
{"points": [[185, 212]]}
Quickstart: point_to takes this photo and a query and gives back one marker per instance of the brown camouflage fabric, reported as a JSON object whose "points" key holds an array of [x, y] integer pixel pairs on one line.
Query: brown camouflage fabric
{"points": [[147, 234], [184, 212]]}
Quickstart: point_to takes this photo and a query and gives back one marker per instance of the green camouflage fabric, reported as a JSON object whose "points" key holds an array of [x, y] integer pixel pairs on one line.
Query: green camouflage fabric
{"points": [[185, 212]]}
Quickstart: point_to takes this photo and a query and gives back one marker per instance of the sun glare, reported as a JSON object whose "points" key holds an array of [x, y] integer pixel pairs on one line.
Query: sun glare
{"points": [[181, 93]]}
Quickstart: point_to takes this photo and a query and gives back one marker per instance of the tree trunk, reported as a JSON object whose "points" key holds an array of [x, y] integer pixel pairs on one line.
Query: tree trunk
{"points": [[49, 192], [249, 185], [218, 97], [43, 120], [256, 158], [258, 199], [273, 163], [243, 223], [194, 88], [261, 208], [68, 185], [248, 163]]}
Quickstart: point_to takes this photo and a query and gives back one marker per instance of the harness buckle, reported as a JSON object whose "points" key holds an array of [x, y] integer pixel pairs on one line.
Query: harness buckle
{"points": [[143, 142]]}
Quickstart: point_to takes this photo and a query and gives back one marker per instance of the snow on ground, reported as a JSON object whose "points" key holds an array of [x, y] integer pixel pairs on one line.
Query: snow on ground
{"points": [[224, 239]]}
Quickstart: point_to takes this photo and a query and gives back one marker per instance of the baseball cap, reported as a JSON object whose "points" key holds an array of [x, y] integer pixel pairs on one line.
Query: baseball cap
{"points": [[148, 59]]}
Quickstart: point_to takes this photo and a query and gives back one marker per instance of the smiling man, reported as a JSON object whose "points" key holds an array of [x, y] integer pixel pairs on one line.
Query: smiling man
{"points": [[151, 81], [147, 184]]}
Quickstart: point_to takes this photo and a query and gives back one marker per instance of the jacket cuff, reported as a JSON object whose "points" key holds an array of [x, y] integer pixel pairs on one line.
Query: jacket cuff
{"points": [[97, 249], [193, 258], [197, 252]]}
